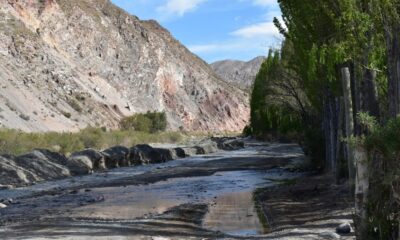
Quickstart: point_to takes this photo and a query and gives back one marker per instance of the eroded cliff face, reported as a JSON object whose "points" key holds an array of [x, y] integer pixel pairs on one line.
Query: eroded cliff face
{"points": [[67, 64], [239, 73]]}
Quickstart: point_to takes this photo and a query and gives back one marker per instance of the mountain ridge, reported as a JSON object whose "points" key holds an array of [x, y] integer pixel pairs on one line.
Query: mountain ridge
{"points": [[68, 64], [239, 73]]}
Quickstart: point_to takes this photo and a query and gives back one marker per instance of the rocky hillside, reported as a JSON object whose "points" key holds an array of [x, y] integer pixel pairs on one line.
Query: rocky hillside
{"points": [[67, 64], [239, 73]]}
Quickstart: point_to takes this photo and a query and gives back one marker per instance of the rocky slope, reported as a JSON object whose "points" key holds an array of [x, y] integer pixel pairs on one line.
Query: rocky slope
{"points": [[67, 64], [239, 73]]}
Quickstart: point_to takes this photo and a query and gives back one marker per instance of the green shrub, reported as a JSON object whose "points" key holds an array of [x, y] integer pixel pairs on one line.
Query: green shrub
{"points": [[148, 122]]}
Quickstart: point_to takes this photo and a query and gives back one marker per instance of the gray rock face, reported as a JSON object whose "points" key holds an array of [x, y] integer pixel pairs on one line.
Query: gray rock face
{"points": [[239, 73], [65, 64], [45, 164], [12, 174]]}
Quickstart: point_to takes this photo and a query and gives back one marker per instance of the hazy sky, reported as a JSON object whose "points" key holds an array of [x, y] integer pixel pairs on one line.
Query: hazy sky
{"points": [[214, 29]]}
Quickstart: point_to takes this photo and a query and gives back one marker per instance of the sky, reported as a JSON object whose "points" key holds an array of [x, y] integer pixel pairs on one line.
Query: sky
{"points": [[214, 29]]}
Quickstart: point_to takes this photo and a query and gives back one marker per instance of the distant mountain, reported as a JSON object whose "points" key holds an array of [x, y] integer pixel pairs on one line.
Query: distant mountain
{"points": [[239, 73], [67, 64]]}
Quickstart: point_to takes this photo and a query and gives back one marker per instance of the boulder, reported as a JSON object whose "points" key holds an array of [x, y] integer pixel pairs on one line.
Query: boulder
{"points": [[209, 147], [196, 150], [80, 165], [229, 143], [45, 164], [179, 152], [145, 154], [166, 154], [117, 156], [94, 156], [53, 157], [344, 228], [13, 175]]}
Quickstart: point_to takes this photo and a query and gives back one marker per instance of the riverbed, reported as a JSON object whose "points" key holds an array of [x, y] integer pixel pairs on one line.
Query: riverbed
{"points": [[200, 197]]}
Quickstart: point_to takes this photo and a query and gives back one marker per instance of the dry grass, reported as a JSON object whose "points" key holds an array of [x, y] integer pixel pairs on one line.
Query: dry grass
{"points": [[17, 142]]}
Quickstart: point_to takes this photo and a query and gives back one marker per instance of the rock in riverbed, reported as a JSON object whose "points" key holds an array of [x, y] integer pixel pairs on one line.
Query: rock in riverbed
{"points": [[229, 143], [145, 154], [117, 156], [41, 164], [45, 164], [96, 158], [80, 165], [12, 174], [344, 228]]}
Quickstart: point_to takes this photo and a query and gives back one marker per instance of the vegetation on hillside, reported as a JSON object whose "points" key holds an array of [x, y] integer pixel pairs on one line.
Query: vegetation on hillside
{"points": [[145, 122], [340, 60]]}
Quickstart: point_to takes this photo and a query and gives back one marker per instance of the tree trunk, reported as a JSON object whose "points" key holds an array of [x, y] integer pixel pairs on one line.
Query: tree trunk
{"points": [[339, 144], [361, 191], [349, 120], [327, 133], [370, 100], [331, 130], [356, 98], [393, 54]]}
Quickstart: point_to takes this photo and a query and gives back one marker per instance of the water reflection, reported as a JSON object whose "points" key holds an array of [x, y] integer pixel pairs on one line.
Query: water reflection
{"points": [[235, 214]]}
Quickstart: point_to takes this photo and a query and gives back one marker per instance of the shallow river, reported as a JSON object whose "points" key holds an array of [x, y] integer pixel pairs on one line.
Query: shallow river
{"points": [[112, 204]]}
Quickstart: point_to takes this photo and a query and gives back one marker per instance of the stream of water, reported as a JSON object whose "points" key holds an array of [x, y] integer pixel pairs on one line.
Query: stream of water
{"points": [[228, 195]]}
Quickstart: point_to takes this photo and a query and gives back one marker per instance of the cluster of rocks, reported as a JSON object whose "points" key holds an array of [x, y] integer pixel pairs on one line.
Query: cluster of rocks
{"points": [[41, 164]]}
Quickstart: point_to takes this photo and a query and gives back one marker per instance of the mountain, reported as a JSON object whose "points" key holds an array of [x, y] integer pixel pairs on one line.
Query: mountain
{"points": [[68, 64], [239, 73]]}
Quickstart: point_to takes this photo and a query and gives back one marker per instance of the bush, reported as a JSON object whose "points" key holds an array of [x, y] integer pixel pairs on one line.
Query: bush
{"points": [[383, 145], [148, 122]]}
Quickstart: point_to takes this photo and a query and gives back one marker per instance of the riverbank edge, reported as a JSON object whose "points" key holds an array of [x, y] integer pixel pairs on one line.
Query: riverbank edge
{"points": [[42, 165], [290, 210]]}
